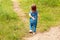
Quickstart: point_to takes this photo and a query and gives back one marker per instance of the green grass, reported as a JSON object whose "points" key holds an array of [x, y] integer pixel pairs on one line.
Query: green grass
{"points": [[11, 27], [49, 14]]}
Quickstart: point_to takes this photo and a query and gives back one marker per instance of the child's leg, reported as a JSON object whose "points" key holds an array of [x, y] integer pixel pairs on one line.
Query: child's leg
{"points": [[34, 28], [31, 26]]}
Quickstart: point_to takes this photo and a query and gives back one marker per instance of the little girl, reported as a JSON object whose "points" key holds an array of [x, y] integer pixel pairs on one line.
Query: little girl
{"points": [[33, 19]]}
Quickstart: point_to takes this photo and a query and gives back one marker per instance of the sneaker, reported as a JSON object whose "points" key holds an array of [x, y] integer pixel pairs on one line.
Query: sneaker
{"points": [[30, 31], [34, 33]]}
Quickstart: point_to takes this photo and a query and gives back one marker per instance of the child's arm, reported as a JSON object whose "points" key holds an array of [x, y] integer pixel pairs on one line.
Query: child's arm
{"points": [[31, 16]]}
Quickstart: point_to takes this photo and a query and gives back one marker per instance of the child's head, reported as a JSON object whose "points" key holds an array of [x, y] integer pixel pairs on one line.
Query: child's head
{"points": [[33, 7]]}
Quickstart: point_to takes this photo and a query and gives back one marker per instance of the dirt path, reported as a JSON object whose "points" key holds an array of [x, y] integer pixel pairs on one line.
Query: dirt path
{"points": [[53, 34], [19, 11]]}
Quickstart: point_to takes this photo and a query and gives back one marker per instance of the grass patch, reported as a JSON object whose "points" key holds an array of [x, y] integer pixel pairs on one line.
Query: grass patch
{"points": [[11, 27]]}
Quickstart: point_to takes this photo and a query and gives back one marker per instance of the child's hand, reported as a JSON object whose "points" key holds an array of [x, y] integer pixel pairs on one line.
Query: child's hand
{"points": [[33, 18]]}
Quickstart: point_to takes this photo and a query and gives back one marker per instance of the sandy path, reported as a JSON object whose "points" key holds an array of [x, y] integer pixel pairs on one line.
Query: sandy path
{"points": [[19, 11], [53, 34]]}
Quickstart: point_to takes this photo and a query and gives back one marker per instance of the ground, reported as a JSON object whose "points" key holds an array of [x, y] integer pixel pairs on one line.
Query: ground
{"points": [[18, 10], [52, 34]]}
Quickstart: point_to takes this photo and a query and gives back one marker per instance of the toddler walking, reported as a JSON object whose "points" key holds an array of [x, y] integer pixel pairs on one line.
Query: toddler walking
{"points": [[33, 19]]}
